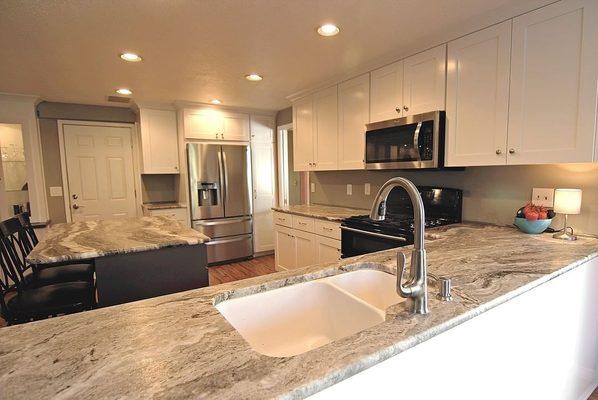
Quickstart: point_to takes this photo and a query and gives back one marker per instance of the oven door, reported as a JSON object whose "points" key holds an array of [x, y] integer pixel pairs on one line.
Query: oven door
{"points": [[355, 242], [410, 142]]}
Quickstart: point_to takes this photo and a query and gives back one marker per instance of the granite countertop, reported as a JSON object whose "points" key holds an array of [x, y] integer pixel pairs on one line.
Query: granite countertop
{"points": [[90, 239], [179, 346], [330, 213], [163, 205]]}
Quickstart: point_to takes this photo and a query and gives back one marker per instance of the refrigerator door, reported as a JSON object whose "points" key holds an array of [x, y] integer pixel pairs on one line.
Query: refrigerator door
{"points": [[236, 165], [205, 180]]}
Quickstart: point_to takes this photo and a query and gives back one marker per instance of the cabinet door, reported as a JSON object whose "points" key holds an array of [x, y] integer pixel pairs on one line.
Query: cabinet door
{"points": [[424, 81], [203, 124], [303, 134], [305, 248], [386, 96], [159, 149], [285, 250], [262, 160], [477, 97], [353, 115], [327, 250], [326, 135], [262, 128], [554, 66], [235, 126]]}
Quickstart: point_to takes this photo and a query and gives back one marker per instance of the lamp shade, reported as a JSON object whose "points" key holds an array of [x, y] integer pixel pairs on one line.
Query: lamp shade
{"points": [[567, 201]]}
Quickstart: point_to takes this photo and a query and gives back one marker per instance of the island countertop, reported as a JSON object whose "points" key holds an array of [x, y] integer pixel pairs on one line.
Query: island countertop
{"points": [[179, 346], [330, 213], [91, 239]]}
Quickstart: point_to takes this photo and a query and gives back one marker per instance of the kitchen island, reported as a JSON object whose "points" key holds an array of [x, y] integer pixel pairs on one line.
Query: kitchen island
{"points": [[135, 258], [180, 346]]}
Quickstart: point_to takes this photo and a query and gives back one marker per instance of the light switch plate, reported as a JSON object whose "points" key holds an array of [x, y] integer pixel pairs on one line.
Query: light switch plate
{"points": [[313, 187], [367, 189], [543, 197], [349, 189], [55, 191]]}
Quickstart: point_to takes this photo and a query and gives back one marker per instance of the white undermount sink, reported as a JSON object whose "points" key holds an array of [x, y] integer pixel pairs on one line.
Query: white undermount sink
{"points": [[294, 319]]}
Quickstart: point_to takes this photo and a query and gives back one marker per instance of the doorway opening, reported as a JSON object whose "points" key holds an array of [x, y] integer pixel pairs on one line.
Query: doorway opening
{"points": [[14, 192], [292, 185]]}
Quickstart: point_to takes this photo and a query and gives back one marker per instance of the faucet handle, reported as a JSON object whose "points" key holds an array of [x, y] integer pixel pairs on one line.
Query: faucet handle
{"points": [[445, 290], [401, 266]]}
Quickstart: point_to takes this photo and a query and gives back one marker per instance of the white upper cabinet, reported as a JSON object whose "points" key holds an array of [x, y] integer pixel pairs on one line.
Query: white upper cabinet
{"points": [[326, 129], [477, 97], [235, 126], [213, 124], [262, 128], [424, 78], [353, 115], [303, 134], [159, 142], [554, 71], [386, 96]]}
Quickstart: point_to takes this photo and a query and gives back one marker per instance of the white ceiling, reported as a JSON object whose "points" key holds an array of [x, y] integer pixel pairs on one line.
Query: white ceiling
{"points": [[196, 50]]}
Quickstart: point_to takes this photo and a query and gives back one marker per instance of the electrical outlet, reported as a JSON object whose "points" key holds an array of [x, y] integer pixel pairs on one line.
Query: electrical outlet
{"points": [[349, 189], [313, 187], [543, 197], [367, 189]]}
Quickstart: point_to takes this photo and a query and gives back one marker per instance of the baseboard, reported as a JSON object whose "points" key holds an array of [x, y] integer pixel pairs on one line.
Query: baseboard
{"points": [[263, 253]]}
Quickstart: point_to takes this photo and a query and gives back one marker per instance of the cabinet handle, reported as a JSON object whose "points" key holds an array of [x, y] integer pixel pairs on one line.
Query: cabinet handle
{"points": [[327, 229], [302, 223], [511, 151], [499, 152], [405, 108], [398, 110]]}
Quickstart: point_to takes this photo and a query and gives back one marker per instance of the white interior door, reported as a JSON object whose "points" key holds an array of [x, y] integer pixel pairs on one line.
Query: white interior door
{"points": [[99, 171]]}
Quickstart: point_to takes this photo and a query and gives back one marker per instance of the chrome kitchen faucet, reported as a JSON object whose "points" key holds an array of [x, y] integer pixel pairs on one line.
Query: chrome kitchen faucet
{"points": [[416, 286]]}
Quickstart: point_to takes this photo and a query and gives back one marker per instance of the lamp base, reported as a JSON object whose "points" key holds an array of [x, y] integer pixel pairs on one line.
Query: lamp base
{"points": [[564, 235]]}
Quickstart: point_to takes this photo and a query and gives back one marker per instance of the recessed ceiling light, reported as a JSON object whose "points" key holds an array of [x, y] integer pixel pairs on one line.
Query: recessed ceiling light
{"points": [[215, 101], [131, 57], [328, 30], [254, 77], [124, 91]]}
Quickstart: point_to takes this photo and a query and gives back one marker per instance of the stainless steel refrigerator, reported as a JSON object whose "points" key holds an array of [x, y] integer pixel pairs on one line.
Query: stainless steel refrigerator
{"points": [[220, 186]]}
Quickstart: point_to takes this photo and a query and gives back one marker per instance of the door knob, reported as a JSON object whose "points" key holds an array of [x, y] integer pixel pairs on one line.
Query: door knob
{"points": [[511, 151], [499, 152], [75, 206]]}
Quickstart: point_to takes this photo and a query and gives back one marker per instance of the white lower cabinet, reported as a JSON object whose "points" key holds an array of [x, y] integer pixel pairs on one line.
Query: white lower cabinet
{"points": [[309, 242]]}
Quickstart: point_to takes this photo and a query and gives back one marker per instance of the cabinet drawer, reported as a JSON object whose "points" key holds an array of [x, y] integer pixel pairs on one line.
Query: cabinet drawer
{"points": [[283, 219], [303, 223], [328, 229]]}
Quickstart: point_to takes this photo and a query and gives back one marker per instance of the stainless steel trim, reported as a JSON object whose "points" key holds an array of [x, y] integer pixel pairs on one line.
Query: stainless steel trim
{"points": [[416, 139], [411, 119], [221, 177], [228, 240], [225, 172], [394, 165], [381, 235], [222, 222]]}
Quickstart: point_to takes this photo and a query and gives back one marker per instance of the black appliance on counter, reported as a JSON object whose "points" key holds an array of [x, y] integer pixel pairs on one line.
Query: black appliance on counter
{"points": [[361, 235]]}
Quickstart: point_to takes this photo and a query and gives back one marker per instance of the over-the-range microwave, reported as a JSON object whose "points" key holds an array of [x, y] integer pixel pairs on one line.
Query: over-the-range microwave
{"points": [[416, 141]]}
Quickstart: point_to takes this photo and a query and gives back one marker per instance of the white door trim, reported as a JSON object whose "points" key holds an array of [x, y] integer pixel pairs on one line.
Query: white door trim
{"points": [[135, 152]]}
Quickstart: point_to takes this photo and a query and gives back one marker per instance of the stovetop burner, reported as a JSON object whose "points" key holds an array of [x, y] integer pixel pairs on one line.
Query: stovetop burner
{"points": [[394, 224]]}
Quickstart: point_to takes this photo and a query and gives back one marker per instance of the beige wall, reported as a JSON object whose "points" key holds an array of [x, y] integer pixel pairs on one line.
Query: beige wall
{"points": [[49, 114], [491, 194]]}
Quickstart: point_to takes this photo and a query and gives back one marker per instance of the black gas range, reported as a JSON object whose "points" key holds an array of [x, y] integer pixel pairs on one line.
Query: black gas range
{"points": [[361, 235]]}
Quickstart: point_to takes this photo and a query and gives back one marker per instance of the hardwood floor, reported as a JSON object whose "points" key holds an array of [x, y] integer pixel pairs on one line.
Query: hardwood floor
{"points": [[241, 270], [594, 395]]}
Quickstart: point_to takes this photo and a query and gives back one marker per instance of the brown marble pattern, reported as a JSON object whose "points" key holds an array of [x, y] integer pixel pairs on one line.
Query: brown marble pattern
{"points": [[179, 346], [91, 239], [330, 213]]}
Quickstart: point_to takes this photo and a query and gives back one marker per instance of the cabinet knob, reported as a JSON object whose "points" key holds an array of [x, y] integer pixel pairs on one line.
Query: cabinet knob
{"points": [[398, 110], [498, 152], [511, 151], [405, 108]]}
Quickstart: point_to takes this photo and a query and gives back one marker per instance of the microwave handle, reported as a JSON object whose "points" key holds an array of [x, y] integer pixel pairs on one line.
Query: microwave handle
{"points": [[416, 139]]}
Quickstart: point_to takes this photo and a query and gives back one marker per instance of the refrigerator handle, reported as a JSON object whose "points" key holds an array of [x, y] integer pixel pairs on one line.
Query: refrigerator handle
{"points": [[221, 175], [225, 169]]}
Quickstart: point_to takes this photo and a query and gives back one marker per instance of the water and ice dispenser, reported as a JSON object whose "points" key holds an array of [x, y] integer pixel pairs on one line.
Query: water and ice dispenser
{"points": [[207, 193]]}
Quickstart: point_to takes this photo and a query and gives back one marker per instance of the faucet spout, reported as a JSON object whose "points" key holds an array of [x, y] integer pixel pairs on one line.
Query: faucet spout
{"points": [[416, 287]]}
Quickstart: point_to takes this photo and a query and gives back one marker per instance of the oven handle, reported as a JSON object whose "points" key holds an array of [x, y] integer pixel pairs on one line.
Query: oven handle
{"points": [[381, 235]]}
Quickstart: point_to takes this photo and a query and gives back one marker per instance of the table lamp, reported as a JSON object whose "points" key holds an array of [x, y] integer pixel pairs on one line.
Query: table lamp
{"points": [[567, 202]]}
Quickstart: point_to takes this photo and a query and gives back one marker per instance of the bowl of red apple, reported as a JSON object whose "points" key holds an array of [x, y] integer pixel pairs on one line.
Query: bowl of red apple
{"points": [[533, 219]]}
